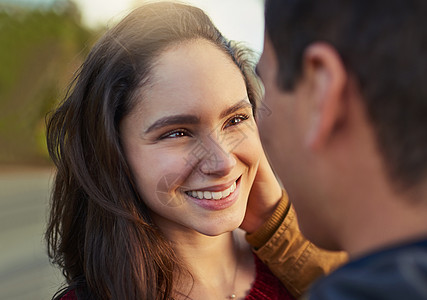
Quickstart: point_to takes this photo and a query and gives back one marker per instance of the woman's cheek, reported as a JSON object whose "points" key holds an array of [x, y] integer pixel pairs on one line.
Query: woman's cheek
{"points": [[250, 148], [156, 171]]}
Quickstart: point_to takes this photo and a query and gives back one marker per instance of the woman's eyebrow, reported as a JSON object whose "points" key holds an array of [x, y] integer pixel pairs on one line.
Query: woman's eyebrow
{"points": [[239, 105], [173, 120], [191, 119]]}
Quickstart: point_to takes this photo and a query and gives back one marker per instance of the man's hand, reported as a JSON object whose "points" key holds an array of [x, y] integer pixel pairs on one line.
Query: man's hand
{"points": [[263, 198]]}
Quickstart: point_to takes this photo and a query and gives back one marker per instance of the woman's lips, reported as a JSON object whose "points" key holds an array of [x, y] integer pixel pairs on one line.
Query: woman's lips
{"points": [[208, 195], [216, 200]]}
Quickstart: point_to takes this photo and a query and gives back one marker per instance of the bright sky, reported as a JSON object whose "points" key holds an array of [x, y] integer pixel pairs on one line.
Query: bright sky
{"points": [[241, 20]]}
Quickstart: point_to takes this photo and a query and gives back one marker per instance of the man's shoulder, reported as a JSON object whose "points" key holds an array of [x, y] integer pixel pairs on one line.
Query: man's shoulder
{"points": [[395, 273]]}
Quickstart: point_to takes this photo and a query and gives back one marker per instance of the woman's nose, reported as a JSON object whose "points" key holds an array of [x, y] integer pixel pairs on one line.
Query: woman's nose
{"points": [[218, 161]]}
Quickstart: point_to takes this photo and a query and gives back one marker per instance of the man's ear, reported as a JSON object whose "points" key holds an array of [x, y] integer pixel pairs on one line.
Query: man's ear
{"points": [[326, 76]]}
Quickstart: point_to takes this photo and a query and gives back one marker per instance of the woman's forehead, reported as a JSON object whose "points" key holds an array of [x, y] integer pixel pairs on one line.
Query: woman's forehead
{"points": [[193, 74]]}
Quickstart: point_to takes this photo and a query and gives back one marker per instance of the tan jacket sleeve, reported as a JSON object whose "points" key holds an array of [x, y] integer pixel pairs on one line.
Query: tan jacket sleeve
{"points": [[294, 260]]}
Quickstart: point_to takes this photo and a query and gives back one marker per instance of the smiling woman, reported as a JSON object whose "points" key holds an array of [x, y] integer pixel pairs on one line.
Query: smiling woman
{"points": [[181, 109], [157, 151]]}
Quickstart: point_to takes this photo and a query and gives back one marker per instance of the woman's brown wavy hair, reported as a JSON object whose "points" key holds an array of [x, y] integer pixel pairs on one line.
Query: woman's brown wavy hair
{"points": [[99, 231]]}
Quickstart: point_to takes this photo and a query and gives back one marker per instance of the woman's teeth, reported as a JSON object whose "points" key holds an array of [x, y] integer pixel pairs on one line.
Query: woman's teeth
{"points": [[213, 195]]}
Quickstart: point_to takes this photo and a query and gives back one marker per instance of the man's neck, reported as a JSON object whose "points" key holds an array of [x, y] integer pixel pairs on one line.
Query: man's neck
{"points": [[394, 219]]}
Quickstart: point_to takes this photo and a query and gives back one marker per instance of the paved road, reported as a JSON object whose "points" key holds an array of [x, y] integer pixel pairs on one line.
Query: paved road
{"points": [[25, 272]]}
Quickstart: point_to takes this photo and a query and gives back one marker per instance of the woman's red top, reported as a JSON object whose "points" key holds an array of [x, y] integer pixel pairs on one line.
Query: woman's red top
{"points": [[265, 287]]}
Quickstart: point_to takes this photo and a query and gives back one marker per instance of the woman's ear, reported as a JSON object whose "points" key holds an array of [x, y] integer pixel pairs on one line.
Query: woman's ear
{"points": [[326, 77]]}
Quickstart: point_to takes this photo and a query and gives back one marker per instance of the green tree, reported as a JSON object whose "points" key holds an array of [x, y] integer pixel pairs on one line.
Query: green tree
{"points": [[40, 50]]}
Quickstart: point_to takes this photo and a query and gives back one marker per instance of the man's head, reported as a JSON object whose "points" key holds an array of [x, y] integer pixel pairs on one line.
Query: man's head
{"points": [[345, 82]]}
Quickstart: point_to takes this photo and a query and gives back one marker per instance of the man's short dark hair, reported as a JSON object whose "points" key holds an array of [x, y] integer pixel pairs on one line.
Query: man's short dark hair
{"points": [[383, 46]]}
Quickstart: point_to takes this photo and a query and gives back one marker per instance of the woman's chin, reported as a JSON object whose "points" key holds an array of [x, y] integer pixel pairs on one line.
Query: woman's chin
{"points": [[221, 227]]}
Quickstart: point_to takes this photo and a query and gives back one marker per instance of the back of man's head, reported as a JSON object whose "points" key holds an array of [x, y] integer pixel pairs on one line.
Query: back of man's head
{"points": [[383, 45]]}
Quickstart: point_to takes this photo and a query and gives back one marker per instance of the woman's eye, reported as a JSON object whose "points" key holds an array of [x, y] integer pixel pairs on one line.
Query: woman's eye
{"points": [[175, 134], [236, 120]]}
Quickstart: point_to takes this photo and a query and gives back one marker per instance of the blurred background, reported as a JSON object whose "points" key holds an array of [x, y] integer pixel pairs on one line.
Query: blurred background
{"points": [[42, 43]]}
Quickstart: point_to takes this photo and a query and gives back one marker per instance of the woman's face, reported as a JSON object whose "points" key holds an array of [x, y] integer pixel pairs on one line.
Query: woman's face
{"points": [[192, 142]]}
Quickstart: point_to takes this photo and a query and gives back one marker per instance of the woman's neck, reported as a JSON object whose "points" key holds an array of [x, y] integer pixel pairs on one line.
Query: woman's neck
{"points": [[219, 265]]}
